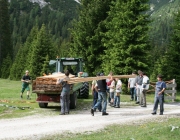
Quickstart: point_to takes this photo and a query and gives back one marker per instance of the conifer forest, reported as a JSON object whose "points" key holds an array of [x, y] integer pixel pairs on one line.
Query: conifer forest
{"points": [[110, 35]]}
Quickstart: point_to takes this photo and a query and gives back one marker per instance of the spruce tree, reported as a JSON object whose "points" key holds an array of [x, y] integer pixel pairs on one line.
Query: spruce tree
{"points": [[174, 49], [17, 68], [5, 35], [168, 63], [6, 65], [87, 33], [127, 37], [42, 47]]}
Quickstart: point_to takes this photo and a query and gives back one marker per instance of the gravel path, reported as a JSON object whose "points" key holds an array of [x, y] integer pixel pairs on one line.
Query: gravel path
{"points": [[38, 126]]}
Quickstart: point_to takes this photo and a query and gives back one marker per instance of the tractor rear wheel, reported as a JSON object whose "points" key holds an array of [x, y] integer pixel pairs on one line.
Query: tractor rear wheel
{"points": [[84, 91], [73, 100]]}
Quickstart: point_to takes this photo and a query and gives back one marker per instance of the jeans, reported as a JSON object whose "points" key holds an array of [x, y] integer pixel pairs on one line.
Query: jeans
{"points": [[64, 102], [117, 101], [95, 99], [102, 96], [133, 93], [144, 97], [159, 99], [109, 98], [138, 93]]}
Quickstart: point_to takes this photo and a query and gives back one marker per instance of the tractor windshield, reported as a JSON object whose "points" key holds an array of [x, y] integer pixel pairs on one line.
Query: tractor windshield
{"points": [[74, 65]]}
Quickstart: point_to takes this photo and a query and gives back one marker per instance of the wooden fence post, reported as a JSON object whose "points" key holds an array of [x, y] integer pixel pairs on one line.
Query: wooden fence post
{"points": [[173, 94]]}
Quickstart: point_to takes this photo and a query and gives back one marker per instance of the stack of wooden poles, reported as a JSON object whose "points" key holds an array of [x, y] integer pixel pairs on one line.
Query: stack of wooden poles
{"points": [[48, 82]]}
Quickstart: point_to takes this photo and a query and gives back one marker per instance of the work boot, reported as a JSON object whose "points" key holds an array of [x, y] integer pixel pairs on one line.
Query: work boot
{"points": [[104, 113], [28, 97], [21, 96], [161, 113], [117, 107], [62, 114], [92, 111], [153, 113]]}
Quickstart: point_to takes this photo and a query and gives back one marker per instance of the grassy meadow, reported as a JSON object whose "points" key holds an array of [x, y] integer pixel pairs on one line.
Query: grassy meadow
{"points": [[151, 130], [11, 106]]}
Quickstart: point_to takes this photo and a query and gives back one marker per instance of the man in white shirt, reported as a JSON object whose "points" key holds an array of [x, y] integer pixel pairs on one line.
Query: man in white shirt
{"points": [[131, 86], [145, 87]]}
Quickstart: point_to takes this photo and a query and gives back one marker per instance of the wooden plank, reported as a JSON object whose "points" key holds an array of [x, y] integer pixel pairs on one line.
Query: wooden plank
{"points": [[170, 91], [86, 79], [57, 75], [171, 85], [169, 97]]}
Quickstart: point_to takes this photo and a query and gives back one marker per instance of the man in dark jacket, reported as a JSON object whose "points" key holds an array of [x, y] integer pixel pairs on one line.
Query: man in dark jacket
{"points": [[102, 96]]}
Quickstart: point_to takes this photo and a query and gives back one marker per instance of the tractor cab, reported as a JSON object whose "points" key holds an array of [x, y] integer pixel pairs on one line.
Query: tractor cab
{"points": [[74, 65]]}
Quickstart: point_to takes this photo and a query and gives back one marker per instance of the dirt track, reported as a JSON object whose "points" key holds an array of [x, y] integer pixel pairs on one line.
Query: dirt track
{"points": [[35, 127]]}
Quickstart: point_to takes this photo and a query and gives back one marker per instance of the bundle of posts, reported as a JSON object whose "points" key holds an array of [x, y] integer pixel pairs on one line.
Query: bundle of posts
{"points": [[48, 82]]}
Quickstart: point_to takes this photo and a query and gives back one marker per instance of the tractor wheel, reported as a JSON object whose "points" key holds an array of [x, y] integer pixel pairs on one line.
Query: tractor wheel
{"points": [[73, 101], [84, 91], [43, 105]]}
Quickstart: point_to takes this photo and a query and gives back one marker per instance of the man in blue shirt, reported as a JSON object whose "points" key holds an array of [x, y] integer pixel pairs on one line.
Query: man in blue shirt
{"points": [[159, 95]]}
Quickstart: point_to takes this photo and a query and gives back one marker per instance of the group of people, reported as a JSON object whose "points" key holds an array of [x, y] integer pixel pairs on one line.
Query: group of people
{"points": [[109, 90], [139, 86], [106, 90]]}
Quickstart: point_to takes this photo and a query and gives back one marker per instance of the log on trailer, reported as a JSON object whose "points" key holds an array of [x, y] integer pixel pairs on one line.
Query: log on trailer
{"points": [[47, 84]]}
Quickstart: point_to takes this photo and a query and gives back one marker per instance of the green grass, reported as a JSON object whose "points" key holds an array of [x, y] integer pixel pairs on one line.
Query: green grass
{"points": [[159, 129], [10, 100], [149, 130]]}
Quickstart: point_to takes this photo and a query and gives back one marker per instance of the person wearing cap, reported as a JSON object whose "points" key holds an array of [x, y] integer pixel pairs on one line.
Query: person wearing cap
{"points": [[94, 90], [26, 80], [102, 96], [159, 95]]}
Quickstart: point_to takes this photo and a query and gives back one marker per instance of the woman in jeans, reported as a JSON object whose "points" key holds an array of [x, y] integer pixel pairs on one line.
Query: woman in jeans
{"points": [[117, 94]]}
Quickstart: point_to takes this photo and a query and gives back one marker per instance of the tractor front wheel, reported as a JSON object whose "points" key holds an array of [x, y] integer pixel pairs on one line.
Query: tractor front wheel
{"points": [[43, 105]]}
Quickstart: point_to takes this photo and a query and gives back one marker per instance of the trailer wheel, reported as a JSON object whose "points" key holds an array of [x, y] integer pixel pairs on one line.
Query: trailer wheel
{"points": [[73, 100], [84, 91], [43, 105]]}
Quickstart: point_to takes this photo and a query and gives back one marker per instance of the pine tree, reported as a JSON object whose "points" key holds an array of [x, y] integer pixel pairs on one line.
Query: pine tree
{"points": [[17, 68], [45, 69], [28, 45], [42, 47], [5, 36], [87, 33], [171, 64], [127, 37], [5, 68]]}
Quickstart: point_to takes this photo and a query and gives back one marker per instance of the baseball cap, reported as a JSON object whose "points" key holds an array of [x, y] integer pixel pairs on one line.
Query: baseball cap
{"points": [[98, 74], [160, 76], [102, 74], [27, 71]]}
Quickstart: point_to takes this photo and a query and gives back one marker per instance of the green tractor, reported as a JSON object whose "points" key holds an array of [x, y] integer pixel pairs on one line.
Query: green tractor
{"points": [[80, 90], [74, 65]]}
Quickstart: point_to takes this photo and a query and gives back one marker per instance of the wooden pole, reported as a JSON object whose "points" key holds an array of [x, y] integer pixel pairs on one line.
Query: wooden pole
{"points": [[173, 94]]}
